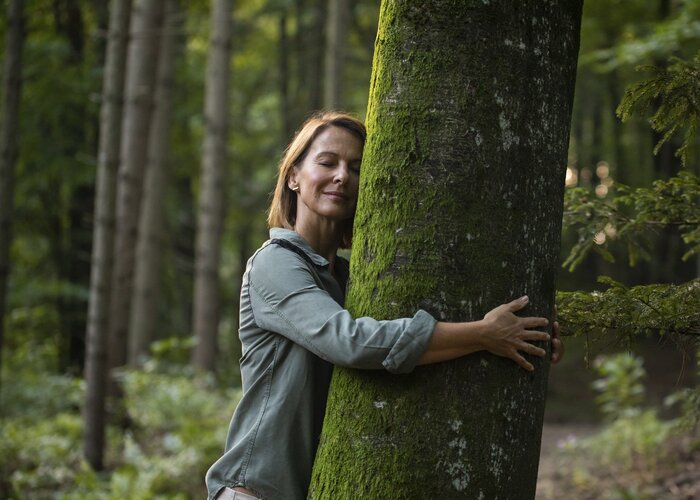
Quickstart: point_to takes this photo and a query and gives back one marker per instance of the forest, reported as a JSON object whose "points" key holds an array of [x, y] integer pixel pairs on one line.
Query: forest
{"points": [[139, 144]]}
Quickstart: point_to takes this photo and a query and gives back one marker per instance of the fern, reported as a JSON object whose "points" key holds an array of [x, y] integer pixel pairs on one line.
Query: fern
{"points": [[676, 91], [632, 217]]}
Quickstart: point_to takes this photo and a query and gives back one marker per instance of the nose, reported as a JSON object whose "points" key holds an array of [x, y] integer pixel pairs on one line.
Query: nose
{"points": [[341, 173]]}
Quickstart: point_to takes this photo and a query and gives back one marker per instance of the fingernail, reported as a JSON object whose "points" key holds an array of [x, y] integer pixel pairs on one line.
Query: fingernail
{"points": [[524, 298]]}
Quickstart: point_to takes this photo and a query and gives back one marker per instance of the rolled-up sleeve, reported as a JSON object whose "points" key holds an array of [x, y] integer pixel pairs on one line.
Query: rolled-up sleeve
{"points": [[286, 299]]}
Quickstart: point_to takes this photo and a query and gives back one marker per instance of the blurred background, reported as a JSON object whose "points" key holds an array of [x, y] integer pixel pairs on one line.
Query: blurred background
{"points": [[196, 107]]}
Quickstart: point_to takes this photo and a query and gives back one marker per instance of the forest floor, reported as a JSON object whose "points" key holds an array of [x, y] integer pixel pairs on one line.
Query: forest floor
{"points": [[559, 478]]}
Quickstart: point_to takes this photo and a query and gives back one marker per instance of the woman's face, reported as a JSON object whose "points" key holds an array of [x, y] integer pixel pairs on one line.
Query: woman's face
{"points": [[328, 177]]}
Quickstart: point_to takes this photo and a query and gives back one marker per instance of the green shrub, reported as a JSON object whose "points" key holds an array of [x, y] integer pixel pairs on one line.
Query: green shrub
{"points": [[177, 427]]}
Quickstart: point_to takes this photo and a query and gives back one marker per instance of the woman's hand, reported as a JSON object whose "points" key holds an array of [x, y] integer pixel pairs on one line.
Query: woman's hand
{"points": [[507, 335], [557, 344]]}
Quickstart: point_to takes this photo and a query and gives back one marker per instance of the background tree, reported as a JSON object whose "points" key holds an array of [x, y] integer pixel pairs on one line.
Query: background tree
{"points": [[96, 366], [146, 298], [211, 209], [460, 211], [336, 31], [142, 58], [9, 142]]}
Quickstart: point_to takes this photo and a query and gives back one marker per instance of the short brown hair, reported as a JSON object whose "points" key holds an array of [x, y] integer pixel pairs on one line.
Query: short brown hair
{"points": [[283, 208]]}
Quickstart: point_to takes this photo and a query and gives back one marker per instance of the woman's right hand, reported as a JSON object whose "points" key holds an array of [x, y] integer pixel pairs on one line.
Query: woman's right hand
{"points": [[507, 335]]}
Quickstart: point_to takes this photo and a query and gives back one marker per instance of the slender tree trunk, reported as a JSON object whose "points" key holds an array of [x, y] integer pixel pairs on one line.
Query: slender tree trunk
{"points": [[283, 65], [460, 211], [335, 52], [316, 54], [96, 366], [9, 143], [211, 199], [68, 20], [298, 72], [144, 309], [142, 61]]}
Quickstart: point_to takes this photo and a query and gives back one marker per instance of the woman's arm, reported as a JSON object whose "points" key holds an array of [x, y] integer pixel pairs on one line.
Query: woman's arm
{"points": [[501, 332]]}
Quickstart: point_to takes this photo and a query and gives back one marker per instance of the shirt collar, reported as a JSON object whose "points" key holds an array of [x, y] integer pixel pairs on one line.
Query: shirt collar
{"points": [[299, 241]]}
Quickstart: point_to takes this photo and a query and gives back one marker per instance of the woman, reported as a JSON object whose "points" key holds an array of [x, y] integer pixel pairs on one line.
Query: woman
{"points": [[293, 326]]}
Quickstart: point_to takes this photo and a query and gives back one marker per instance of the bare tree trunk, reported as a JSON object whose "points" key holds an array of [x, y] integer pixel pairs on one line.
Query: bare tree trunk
{"points": [[283, 65], [460, 208], [338, 16], [9, 142], [96, 366], [144, 312], [211, 200], [316, 54], [142, 59]]}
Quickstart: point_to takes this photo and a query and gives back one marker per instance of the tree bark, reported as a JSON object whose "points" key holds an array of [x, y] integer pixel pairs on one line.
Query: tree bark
{"points": [[283, 65], [211, 200], [459, 211], [142, 61], [9, 143], [316, 54], [335, 52], [144, 311], [96, 366]]}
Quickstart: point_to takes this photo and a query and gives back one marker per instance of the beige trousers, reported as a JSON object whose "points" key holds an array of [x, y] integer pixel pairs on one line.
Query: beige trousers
{"points": [[231, 494]]}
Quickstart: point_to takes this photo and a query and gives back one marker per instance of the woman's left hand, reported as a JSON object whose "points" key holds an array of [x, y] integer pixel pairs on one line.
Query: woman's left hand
{"points": [[557, 344]]}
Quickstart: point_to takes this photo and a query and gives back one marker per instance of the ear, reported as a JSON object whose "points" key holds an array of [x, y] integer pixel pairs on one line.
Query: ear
{"points": [[292, 179]]}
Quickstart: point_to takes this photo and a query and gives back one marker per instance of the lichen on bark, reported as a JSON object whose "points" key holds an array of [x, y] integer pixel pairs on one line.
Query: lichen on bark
{"points": [[459, 211]]}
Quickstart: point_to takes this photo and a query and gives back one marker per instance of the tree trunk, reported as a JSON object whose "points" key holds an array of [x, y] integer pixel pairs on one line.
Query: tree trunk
{"points": [[460, 211], [144, 309], [316, 54], [9, 142], [211, 199], [283, 65], [96, 367], [142, 61], [335, 52]]}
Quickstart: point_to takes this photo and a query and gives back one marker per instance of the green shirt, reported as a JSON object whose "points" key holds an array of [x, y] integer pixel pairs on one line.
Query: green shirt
{"points": [[293, 329]]}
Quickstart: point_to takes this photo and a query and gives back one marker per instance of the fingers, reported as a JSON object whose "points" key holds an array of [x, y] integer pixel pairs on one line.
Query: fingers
{"points": [[557, 344], [534, 335], [534, 322], [518, 304], [522, 362], [532, 349]]}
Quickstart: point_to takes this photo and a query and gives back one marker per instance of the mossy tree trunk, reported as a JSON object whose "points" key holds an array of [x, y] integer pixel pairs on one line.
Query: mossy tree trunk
{"points": [[460, 210]]}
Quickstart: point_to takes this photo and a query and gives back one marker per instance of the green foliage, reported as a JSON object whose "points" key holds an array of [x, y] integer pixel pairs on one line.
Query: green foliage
{"points": [[177, 424], [634, 434], [620, 386], [631, 217], [675, 90], [632, 441], [39, 457], [631, 311], [688, 400], [638, 32]]}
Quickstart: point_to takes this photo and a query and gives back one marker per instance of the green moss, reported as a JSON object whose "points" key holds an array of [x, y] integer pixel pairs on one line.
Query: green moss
{"points": [[454, 216]]}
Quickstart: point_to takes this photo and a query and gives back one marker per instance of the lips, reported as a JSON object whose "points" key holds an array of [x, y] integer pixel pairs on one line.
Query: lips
{"points": [[336, 194]]}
